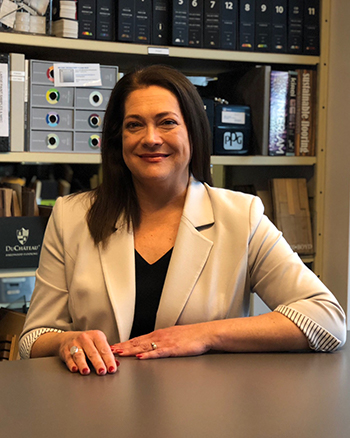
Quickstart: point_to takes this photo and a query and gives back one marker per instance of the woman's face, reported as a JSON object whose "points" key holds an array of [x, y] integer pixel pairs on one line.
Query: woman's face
{"points": [[156, 147]]}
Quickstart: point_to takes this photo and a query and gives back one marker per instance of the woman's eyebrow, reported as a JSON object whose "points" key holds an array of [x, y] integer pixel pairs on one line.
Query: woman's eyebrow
{"points": [[159, 115]]}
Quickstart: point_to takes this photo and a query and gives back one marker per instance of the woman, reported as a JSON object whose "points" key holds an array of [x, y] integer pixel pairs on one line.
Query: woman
{"points": [[155, 262]]}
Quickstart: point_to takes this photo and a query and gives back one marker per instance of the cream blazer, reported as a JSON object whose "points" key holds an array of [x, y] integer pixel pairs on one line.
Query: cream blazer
{"points": [[225, 249]]}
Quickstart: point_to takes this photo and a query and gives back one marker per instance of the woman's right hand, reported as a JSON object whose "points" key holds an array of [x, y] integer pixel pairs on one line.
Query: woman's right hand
{"points": [[93, 349], [93, 346]]}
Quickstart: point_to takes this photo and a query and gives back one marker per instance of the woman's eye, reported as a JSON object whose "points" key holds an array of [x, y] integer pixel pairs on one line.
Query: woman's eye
{"points": [[169, 122], [132, 125]]}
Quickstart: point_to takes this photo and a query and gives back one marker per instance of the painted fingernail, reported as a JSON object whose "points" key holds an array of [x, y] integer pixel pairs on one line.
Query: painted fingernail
{"points": [[140, 356], [117, 362], [101, 371], [111, 369], [119, 351], [85, 371], [74, 369]]}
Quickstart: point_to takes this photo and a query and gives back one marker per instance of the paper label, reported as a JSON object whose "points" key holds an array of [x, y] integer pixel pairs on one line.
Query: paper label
{"points": [[77, 75], [232, 117]]}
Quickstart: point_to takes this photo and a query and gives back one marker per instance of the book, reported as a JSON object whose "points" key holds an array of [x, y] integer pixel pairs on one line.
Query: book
{"points": [[279, 26], [105, 20], [65, 28], [228, 24], [292, 112], [87, 19], [247, 25], [295, 26], [278, 113], [212, 24], [263, 25], [311, 39], [180, 12], [143, 11], [160, 22], [291, 212], [64, 9], [305, 129], [125, 18], [17, 98], [195, 23], [5, 201], [4, 103]]}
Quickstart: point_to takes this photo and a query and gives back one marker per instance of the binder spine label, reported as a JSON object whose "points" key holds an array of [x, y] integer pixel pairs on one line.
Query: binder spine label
{"points": [[279, 26], [105, 20], [212, 24], [143, 10], [160, 26], [195, 23], [228, 24], [247, 25], [126, 20], [311, 27], [87, 20], [263, 25], [180, 22], [295, 26]]}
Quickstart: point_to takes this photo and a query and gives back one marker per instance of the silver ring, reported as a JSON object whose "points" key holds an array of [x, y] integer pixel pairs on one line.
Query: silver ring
{"points": [[154, 345], [74, 350]]}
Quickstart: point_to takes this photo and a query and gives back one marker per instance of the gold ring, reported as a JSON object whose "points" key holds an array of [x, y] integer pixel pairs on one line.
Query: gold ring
{"points": [[154, 345]]}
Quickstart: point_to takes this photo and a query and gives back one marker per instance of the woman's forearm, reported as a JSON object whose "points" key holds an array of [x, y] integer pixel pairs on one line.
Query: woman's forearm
{"points": [[47, 344], [268, 332]]}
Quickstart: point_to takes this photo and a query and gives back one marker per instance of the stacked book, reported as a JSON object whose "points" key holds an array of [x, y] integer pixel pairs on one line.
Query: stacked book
{"points": [[65, 20]]}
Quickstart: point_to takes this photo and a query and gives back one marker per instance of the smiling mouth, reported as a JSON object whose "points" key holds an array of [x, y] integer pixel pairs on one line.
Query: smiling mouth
{"points": [[153, 156]]}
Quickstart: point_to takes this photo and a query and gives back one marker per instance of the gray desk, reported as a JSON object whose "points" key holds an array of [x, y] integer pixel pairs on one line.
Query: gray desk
{"points": [[212, 396]]}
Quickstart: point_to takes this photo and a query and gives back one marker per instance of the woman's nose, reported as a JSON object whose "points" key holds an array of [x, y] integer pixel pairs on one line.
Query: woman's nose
{"points": [[151, 137]]}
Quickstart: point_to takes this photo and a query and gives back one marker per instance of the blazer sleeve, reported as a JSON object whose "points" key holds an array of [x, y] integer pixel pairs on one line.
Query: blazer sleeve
{"points": [[288, 286], [49, 310]]}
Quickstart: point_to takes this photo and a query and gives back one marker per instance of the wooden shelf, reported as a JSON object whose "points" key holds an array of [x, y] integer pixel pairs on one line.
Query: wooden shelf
{"points": [[76, 158], [49, 157], [259, 160], [15, 273], [123, 54]]}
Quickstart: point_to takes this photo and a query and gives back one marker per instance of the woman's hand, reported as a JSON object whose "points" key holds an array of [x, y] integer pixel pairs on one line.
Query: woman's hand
{"points": [[92, 348], [268, 332], [92, 345], [180, 340]]}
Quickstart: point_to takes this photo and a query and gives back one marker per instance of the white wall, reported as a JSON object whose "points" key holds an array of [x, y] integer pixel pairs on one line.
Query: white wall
{"points": [[337, 190]]}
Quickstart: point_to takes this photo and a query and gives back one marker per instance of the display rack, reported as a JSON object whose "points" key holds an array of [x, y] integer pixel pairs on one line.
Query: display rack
{"points": [[191, 61]]}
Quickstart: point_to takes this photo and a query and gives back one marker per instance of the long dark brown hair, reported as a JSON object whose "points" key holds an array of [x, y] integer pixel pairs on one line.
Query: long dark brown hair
{"points": [[116, 196]]}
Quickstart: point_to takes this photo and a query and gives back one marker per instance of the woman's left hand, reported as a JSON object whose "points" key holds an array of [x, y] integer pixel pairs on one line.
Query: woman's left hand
{"points": [[180, 340]]}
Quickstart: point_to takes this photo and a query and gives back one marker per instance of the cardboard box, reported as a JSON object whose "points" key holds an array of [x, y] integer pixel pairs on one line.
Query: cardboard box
{"points": [[20, 241]]}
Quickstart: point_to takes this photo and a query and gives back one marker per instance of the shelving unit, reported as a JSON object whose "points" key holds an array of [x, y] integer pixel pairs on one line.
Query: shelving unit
{"points": [[75, 158], [191, 61]]}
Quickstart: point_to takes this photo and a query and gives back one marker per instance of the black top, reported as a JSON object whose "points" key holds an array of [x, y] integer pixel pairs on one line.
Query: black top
{"points": [[149, 285]]}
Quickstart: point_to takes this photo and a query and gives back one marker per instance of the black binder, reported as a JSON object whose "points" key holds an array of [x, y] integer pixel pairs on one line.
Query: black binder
{"points": [[311, 44], [279, 26], [247, 25], [263, 25], [295, 26]]}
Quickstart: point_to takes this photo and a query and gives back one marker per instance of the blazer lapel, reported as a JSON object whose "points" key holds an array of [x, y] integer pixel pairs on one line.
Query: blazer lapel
{"points": [[118, 265], [189, 256]]}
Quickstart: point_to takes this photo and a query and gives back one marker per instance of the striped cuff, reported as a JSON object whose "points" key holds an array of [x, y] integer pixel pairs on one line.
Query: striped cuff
{"points": [[319, 338], [27, 341]]}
